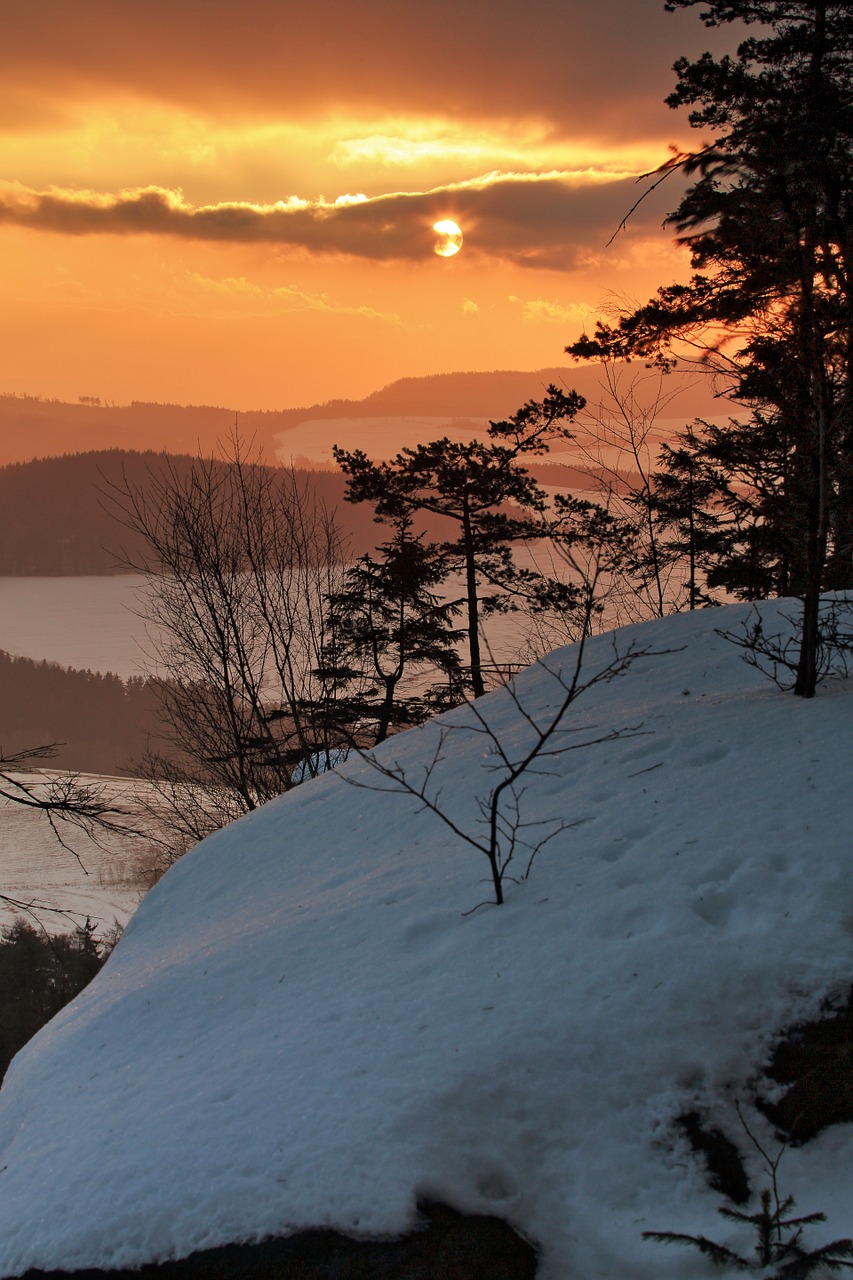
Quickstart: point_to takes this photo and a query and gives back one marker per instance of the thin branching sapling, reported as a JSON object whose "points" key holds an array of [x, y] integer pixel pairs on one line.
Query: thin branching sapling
{"points": [[501, 832]]}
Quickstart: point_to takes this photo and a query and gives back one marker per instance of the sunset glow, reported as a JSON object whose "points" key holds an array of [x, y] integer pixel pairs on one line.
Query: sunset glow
{"points": [[203, 213]]}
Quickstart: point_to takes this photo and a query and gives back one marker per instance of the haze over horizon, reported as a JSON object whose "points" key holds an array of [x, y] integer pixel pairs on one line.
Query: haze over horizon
{"points": [[195, 210]]}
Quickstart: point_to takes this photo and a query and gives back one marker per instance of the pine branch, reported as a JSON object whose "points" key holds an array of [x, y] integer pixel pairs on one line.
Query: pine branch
{"points": [[718, 1253]]}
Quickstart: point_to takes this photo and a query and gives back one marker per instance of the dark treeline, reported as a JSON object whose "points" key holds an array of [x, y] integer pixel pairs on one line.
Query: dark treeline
{"points": [[31, 426], [54, 521], [103, 723], [39, 975]]}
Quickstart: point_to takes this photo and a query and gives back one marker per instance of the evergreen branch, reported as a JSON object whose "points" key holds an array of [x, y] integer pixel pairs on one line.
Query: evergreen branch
{"points": [[718, 1253]]}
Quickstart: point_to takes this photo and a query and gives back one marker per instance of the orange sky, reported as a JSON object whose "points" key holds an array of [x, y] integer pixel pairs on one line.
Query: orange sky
{"points": [[202, 202]]}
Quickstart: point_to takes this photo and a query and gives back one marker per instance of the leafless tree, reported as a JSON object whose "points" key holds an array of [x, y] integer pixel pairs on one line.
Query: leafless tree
{"points": [[61, 797], [618, 440], [67, 801], [240, 560]]}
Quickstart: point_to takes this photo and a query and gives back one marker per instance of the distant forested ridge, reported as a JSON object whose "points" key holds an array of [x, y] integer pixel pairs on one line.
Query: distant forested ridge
{"points": [[34, 427], [103, 723], [54, 521]]}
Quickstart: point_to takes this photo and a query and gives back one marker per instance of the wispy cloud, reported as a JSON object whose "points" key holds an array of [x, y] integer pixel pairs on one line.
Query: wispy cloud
{"points": [[550, 219], [556, 312], [474, 147], [237, 292]]}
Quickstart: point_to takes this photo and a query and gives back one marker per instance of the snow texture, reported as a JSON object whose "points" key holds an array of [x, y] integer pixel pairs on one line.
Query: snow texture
{"points": [[302, 1026]]}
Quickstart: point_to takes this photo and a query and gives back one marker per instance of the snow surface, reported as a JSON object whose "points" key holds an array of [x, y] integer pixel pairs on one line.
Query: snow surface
{"points": [[302, 1026]]}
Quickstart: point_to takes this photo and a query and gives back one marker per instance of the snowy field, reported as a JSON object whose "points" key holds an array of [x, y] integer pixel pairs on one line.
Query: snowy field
{"points": [[103, 880], [306, 1023], [310, 443]]}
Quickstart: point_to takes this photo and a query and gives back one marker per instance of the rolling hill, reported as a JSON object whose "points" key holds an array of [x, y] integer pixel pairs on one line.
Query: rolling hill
{"points": [[31, 427], [316, 1019]]}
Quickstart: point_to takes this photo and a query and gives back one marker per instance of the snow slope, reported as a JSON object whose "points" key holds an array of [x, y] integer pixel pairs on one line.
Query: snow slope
{"points": [[301, 1025]]}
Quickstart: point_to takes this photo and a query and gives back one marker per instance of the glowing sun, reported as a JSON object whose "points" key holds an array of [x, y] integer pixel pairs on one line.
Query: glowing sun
{"points": [[450, 238]]}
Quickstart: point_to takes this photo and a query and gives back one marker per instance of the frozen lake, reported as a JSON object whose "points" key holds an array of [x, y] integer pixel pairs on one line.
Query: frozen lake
{"points": [[94, 624], [88, 623], [91, 624]]}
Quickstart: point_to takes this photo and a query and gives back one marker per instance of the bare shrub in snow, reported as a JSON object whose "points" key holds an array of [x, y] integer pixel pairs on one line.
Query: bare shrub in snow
{"points": [[776, 655], [502, 832]]}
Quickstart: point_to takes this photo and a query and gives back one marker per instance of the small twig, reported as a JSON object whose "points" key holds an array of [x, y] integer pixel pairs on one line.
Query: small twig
{"points": [[665, 170], [650, 769], [503, 832]]}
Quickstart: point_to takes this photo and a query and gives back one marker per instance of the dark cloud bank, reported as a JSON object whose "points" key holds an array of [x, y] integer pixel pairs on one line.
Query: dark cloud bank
{"points": [[541, 221]]}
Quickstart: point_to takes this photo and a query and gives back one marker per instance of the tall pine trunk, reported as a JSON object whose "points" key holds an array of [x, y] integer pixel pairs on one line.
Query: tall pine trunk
{"points": [[477, 686]]}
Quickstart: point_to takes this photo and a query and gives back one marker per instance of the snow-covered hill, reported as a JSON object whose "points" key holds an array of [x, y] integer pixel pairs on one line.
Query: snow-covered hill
{"points": [[302, 1026]]}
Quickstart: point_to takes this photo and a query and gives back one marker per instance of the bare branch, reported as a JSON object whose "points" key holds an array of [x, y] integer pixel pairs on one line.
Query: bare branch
{"points": [[500, 831], [67, 802]]}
